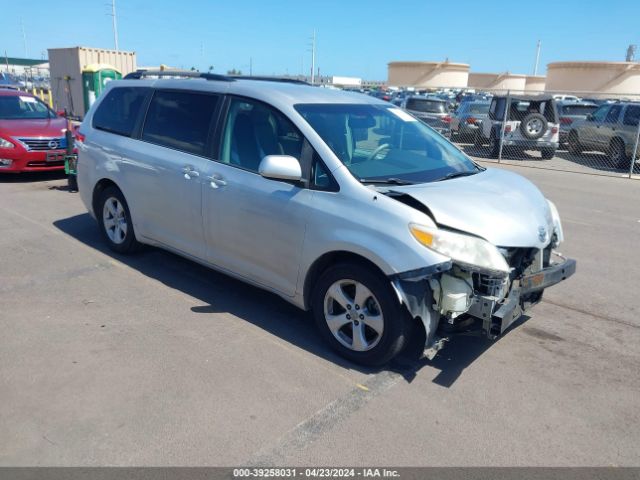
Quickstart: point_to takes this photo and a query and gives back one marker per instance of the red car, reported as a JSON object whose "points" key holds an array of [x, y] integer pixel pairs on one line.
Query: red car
{"points": [[32, 136]]}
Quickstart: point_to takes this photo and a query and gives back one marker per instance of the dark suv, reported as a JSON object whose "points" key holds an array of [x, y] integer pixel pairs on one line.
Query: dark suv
{"points": [[611, 129]]}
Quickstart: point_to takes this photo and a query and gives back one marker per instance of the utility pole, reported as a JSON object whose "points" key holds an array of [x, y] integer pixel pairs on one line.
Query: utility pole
{"points": [[535, 68], [24, 39], [313, 58], [115, 24]]}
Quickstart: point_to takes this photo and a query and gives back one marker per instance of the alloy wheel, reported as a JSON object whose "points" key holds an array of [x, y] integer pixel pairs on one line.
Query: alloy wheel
{"points": [[114, 219], [353, 315]]}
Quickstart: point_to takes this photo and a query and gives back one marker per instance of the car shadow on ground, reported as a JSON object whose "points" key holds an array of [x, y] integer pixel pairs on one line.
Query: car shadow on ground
{"points": [[219, 293], [28, 177]]}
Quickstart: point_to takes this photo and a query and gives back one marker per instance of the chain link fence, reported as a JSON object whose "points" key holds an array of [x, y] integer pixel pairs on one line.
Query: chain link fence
{"points": [[588, 133]]}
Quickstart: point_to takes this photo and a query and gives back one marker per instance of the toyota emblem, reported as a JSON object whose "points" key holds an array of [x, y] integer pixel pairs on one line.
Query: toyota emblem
{"points": [[53, 144], [542, 234]]}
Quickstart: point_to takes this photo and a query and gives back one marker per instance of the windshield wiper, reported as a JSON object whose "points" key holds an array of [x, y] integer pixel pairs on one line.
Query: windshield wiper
{"points": [[456, 175], [387, 181]]}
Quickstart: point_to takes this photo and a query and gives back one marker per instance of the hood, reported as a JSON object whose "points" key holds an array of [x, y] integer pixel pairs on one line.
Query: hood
{"points": [[47, 127], [499, 206]]}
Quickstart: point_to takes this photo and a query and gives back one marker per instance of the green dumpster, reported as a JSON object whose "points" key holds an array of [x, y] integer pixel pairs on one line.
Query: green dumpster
{"points": [[94, 79]]}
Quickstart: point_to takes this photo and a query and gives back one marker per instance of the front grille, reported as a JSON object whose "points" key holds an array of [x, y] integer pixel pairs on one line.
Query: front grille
{"points": [[44, 143], [57, 163]]}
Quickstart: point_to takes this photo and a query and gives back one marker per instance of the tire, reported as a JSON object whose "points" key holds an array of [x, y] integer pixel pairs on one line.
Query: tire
{"points": [[533, 126], [548, 153], [72, 183], [478, 141], [494, 146], [383, 323], [618, 154], [573, 144], [115, 222]]}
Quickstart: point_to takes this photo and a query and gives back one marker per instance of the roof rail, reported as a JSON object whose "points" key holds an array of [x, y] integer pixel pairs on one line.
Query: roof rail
{"points": [[138, 74], [270, 79]]}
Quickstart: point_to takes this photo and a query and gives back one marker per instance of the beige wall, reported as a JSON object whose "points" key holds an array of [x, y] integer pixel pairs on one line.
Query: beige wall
{"points": [[428, 74], [535, 83], [66, 64], [603, 77], [497, 81]]}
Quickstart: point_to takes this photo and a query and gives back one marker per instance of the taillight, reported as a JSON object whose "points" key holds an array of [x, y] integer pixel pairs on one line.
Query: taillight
{"points": [[507, 129], [79, 137], [446, 119], [566, 121], [472, 121], [554, 130]]}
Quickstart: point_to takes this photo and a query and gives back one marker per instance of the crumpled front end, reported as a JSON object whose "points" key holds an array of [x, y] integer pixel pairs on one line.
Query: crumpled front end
{"points": [[452, 297]]}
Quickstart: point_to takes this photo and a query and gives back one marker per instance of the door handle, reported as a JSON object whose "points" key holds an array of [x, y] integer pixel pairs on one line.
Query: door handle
{"points": [[216, 181], [189, 172]]}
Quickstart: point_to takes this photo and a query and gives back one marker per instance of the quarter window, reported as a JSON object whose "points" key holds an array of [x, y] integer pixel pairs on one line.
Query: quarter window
{"points": [[255, 130], [614, 113], [120, 109], [632, 115], [600, 113], [180, 120]]}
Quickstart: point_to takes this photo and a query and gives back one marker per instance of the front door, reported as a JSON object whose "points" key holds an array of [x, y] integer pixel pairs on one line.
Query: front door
{"points": [[255, 226]]}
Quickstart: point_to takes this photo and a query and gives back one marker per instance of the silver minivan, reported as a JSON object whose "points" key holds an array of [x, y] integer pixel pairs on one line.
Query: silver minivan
{"points": [[340, 203]]}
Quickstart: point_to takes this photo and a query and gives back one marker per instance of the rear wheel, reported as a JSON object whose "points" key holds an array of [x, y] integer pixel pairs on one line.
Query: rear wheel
{"points": [[617, 154], [494, 146], [548, 153], [573, 144], [115, 221], [357, 312]]}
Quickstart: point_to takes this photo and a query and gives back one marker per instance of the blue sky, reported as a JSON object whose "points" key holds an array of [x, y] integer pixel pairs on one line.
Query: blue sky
{"points": [[355, 37]]}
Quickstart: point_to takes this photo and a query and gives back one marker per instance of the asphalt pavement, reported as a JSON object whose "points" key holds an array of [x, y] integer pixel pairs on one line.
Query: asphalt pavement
{"points": [[154, 360]]}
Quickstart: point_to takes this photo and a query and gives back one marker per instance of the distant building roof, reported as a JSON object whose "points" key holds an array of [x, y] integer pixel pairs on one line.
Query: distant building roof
{"points": [[24, 62]]}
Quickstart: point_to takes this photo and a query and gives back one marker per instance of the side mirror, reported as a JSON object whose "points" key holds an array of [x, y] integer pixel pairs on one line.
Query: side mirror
{"points": [[280, 167], [61, 113], [590, 117]]}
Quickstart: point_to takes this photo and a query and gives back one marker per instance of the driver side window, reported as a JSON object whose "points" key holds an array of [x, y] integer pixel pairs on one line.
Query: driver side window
{"points": [[600, 113], [254, 130]]}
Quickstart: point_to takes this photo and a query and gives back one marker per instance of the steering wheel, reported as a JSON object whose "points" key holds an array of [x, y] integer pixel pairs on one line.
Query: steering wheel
{"points": [[373, 154]]}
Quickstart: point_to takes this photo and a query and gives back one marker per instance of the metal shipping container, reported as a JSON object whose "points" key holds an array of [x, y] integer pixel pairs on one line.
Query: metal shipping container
{"points": [[66, 65]]}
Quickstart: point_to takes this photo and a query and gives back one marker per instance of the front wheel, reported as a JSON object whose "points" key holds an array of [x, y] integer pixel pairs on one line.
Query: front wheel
{"points": [[494, 147], [548, 153], [357, 312], [115, 221]]}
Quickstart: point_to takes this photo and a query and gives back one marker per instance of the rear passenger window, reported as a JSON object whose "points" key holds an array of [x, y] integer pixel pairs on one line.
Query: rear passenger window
{"points": [[632, 115], [180, 120], [119, 110]]}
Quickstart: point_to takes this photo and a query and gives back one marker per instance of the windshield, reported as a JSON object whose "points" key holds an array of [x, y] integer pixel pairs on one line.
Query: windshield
{"points": [[23, 107], [479, 108], [381, 143], [578, 109], [428, 106]]}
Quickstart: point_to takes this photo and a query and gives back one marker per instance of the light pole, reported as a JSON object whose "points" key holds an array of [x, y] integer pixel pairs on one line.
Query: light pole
{"points": [[115, 23], [535, 67]]}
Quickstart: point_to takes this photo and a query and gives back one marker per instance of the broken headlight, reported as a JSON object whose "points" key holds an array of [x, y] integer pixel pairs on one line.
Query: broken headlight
{"points": [[463, 249]]}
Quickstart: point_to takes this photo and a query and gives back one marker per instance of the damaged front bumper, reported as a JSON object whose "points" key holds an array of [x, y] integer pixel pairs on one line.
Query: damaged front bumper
{"points": [[447, 306]]}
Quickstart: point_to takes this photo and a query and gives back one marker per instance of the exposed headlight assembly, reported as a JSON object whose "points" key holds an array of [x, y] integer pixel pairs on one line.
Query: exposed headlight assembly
{"points": [[6, 143], [463, 249], [557, 224]]}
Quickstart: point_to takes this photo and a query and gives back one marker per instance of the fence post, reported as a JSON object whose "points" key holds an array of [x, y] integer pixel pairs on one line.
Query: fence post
{"points": [[504, 123], [635, 150]]}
